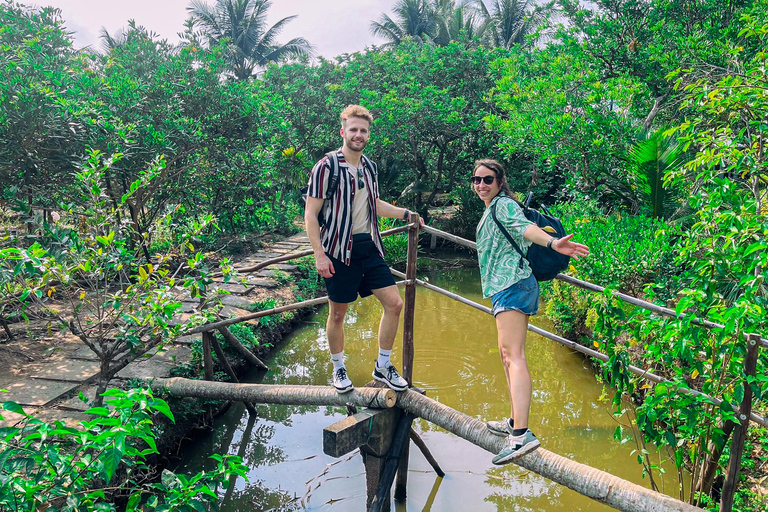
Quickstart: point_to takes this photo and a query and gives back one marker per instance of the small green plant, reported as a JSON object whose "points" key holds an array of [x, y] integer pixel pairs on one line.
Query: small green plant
{"points": [[55, 467]]}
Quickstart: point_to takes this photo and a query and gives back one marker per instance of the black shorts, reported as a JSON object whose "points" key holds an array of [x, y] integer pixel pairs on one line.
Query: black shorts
{"points": [[366, 271]]}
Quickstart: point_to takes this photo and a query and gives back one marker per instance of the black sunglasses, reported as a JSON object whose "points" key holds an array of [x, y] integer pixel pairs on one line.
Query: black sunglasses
{"points": [[485, 179], [360, 180]]}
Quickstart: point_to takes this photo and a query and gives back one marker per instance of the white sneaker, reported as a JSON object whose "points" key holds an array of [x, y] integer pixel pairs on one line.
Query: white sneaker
{"points": [[341, 381], [389, 376]]}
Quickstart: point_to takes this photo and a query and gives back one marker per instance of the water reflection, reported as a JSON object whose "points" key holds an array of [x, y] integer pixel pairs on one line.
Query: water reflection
{"points": [[457, 362]]}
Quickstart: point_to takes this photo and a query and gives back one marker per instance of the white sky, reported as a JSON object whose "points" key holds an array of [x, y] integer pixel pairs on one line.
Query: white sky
{"points": [[333, 26]]}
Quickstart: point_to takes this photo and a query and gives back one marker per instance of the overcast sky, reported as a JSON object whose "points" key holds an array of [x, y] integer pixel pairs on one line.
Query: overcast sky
{"points": [[333, 26]]}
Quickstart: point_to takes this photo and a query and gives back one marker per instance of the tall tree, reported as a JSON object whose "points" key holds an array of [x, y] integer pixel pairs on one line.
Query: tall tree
{"points": [[251, 43], [457, 21], [417, 19], [509, 22]]}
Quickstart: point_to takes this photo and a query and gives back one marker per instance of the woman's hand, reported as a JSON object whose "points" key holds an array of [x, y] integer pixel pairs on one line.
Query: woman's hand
{"points": [[566, 247]]}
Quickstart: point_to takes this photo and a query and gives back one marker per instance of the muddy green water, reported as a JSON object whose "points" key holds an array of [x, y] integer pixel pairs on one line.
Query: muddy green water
{"points": [[457, 362]]}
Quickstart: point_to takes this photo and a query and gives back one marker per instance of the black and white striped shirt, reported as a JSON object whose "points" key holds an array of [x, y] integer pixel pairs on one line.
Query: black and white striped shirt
{"points": [[336, 234]]}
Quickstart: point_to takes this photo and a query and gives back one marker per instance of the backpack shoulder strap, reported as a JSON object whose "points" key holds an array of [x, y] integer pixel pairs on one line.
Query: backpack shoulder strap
{"points": [[371, 165], [333, 179], [506, 233]]}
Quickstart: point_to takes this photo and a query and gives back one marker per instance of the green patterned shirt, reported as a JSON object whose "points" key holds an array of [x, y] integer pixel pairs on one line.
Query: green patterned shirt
{"points": [[499, 261]]}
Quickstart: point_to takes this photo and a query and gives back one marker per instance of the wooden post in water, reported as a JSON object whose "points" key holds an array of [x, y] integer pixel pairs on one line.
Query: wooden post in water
{"points": [[740, 432], [207, 358], [408, 319]]}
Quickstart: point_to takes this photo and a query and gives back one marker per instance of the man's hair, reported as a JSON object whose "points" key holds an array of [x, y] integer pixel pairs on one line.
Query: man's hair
{"points": [[355, 111]]}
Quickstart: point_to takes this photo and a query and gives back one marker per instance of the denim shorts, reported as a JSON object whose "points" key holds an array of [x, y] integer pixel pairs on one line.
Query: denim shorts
{"points": [[522, 296]]}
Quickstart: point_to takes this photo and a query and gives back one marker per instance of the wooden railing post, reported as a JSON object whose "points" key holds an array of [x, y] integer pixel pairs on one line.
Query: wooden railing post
{"points": [[408, 316], [740, 433]]}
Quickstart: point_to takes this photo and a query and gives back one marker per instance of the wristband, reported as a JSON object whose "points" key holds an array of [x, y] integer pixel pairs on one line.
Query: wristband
{"points": [[551, 240], [407, 215]]}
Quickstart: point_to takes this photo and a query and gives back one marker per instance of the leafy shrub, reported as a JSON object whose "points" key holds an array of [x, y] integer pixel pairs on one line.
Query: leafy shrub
{"points": [[55, 467]]}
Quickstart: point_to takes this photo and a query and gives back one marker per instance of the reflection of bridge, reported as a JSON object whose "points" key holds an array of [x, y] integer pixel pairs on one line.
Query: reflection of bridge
{"points": [[382, 429]]}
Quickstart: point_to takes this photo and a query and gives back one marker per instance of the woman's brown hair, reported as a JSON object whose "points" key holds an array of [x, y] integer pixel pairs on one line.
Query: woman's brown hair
{"points": [[496, 167]]}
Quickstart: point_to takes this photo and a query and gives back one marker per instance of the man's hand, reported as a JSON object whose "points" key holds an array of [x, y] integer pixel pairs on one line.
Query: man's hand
{"points": [[421, 219], [324, 266]]}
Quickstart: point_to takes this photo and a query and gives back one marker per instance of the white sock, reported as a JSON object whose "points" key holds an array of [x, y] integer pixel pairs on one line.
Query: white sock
{"points": [[338, 360], [383, 357]]}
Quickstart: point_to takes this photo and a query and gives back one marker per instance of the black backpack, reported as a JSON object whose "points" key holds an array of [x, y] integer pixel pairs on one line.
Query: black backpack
{"points": [[545, 263], [333, 182]]}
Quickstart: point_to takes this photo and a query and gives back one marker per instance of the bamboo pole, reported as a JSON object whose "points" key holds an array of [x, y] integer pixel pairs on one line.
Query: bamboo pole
{"points": [[640, 372], [228, 369], [408, 351], [375, 398], [740, 433], [599, 289], [293, 256], [593, 483], [239, 319], [241, 349], [252, 316]]}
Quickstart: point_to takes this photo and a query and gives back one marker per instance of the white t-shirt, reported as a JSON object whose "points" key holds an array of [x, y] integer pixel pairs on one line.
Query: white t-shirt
{"points": [[361, 213]]}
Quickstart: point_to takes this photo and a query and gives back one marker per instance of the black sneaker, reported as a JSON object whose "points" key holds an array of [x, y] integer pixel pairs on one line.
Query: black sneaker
{"points": [[389, 376], [341, 381]]}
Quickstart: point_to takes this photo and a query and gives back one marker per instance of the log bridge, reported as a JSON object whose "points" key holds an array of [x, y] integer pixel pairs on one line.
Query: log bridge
{"points": [[382, 428]]}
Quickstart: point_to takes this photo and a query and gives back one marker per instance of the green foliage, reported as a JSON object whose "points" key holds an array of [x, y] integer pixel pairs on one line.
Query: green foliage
{"points": [[649, 160], [395, 246], [56, 467]]}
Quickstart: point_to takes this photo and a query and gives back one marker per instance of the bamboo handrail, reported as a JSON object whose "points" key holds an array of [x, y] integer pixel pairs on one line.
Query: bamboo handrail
{"points": [[296, 255], [600, 289], [645, 374], [252, 316]]}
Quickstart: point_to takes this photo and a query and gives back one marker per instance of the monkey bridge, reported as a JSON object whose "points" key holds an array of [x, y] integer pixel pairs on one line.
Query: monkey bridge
{"points": [[382, 429]]}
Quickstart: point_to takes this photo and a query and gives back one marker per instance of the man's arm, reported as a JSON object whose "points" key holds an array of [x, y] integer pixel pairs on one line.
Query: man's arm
{"points": [[384, 209], [323, 263]]}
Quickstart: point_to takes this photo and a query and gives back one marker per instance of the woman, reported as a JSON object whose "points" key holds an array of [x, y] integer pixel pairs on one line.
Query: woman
{"points": [[514, 293]]}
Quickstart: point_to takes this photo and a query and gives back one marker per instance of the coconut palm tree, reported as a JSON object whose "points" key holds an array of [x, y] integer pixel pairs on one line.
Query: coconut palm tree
{"points": [[251, 43], [456, 20], [508, 22], [413, 18]]}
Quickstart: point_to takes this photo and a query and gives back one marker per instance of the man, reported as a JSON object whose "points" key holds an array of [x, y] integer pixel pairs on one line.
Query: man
{"points": [[348, 249]]}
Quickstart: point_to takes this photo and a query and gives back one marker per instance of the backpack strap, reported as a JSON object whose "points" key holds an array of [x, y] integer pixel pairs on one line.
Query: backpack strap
{"points": [[506, 233], [333, 179], [372, 166]]}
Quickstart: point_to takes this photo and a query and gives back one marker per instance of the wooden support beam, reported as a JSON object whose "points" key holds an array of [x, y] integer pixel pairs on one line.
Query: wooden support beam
{"points": [[419, 442], [593, 483], [740, 432], [228, 369], [370, 427], [396, 451], [240, 349], [265, 394], [207, 358]]}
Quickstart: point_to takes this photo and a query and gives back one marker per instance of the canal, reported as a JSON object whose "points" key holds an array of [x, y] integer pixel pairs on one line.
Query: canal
{"points": [[457, 363]]}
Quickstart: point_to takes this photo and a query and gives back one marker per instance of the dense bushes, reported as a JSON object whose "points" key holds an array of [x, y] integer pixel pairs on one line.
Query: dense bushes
{"points": [[101, 462]]}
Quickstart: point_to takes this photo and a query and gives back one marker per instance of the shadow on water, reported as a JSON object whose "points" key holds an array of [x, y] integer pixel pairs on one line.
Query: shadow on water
{"points": [[457, 362]]}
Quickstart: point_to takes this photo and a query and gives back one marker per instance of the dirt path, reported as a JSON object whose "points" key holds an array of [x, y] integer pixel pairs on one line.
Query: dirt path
{"points": [[45, 370]]}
